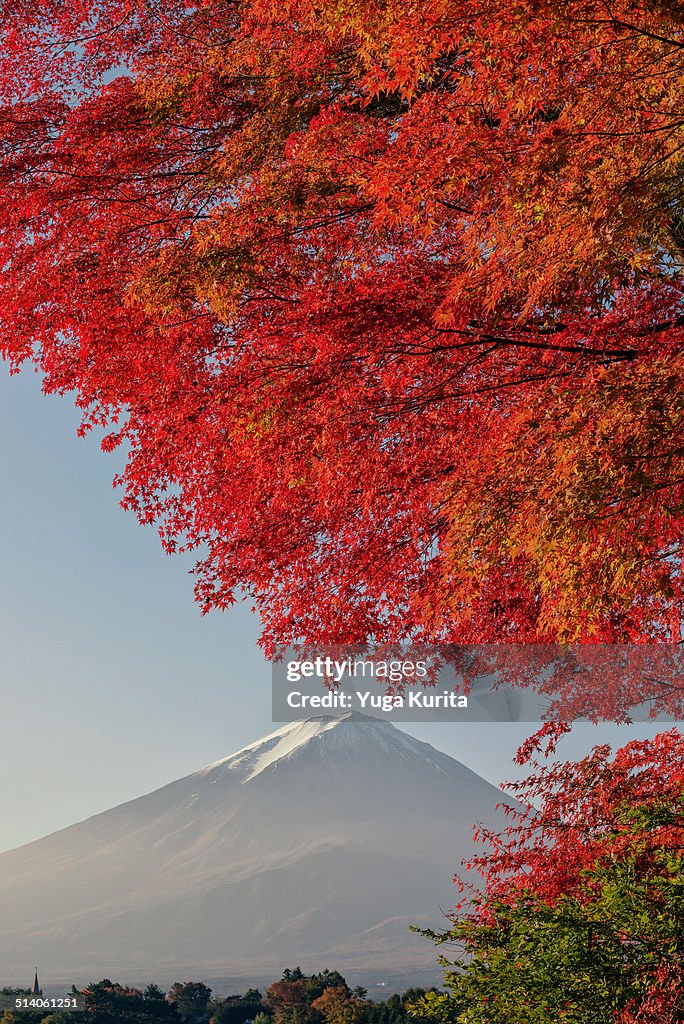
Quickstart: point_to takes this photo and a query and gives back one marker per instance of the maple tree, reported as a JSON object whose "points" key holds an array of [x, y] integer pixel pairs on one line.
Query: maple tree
{"points": [[383, 301], [581, 914]]}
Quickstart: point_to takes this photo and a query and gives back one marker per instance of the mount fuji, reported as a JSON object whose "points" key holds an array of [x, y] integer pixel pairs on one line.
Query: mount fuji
{"points": [[318, 844]]}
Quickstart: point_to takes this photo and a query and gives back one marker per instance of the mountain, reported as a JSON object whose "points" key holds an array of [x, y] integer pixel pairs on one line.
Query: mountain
{"points": [[317, 844]]}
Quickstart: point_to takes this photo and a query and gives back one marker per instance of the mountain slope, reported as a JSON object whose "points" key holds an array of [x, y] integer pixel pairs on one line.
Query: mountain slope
{"points": [[327, 836]]}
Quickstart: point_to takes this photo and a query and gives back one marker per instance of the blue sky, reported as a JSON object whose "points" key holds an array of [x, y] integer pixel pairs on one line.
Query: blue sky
{"points": [[111, 683]]}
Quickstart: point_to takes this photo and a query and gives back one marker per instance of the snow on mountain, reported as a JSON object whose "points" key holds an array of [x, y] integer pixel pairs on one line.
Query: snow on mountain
{"points": [[258, 756], [358, 730], [322, 839]]}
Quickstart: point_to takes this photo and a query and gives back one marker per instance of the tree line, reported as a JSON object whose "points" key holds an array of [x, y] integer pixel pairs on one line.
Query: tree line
{"points": [[296, 998]]}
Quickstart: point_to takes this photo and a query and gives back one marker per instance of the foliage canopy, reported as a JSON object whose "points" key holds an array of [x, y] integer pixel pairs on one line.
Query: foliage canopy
{"points": [[581, 916], [384, 300]]}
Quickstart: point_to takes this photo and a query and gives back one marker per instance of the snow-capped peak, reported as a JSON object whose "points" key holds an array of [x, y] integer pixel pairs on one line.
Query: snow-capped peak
{"points": [[344, 731]]}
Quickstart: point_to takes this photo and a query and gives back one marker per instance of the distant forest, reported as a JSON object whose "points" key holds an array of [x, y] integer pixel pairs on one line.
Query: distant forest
{"points": [[296, 998]]}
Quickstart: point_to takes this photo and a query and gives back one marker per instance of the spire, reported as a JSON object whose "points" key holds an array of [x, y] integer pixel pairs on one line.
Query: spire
{"points": [[36, 990]]}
